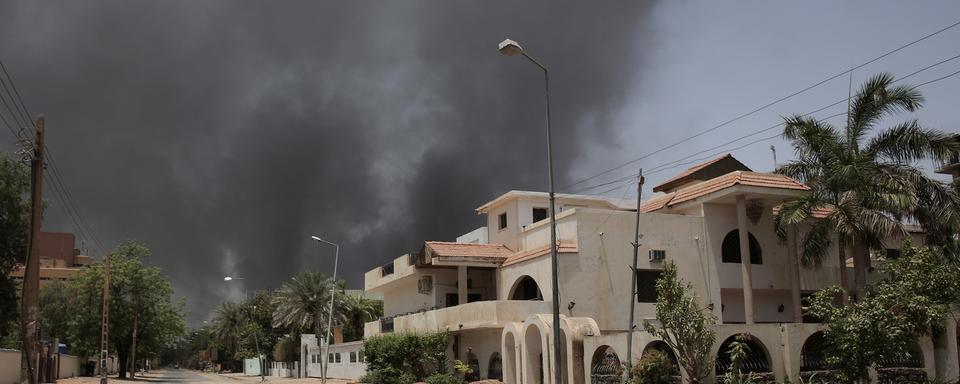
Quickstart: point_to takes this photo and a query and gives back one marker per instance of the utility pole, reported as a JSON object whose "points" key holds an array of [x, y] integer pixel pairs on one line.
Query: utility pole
{"points": [[104, 321], [31, 273], [633, 273]]}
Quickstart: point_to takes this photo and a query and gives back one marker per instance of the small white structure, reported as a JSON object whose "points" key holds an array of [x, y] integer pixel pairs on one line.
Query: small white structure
{"points": [[345, 360], [490, 295]]}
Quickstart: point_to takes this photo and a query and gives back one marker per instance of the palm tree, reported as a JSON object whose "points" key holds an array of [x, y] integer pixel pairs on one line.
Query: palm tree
{"points": [[303, 302], [358, 311], [862, 189], [228, 323]]}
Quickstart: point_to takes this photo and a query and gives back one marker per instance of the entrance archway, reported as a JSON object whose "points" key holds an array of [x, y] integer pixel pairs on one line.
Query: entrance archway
{"points": [[526, 288], [533, 367], [564, 367], [757, 360], [605, 366], [510, 368]]}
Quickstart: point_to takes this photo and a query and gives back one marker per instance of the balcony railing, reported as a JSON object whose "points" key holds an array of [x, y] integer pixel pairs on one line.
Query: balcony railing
{"points": [[475, 315]]}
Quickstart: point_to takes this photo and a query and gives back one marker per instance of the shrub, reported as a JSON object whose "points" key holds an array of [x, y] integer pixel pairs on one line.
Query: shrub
{"points": [[443, 378], [654, 367], [388, 376], [416, 356]]}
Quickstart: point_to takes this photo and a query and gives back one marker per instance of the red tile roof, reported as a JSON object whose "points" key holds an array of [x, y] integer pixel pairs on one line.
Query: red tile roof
{"points": [[562, 247], [753, 179], [470, 250], [732, 164]]}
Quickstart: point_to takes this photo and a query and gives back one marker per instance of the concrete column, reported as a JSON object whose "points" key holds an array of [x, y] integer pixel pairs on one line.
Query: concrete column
{"points": [[948, 365], [747, 275], [462, 284], [794, 261]]}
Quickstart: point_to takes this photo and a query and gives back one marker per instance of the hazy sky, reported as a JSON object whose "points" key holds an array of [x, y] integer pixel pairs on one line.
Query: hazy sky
{"points": [[223, 134]]}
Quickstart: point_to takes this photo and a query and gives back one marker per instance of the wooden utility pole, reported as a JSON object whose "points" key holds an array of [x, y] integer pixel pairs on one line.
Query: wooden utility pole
{"points": [[104, 320], [31, 273], [633, 271]]}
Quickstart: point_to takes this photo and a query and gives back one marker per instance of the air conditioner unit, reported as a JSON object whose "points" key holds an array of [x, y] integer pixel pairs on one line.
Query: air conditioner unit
{"points": [[658, 254], [425, 284]]}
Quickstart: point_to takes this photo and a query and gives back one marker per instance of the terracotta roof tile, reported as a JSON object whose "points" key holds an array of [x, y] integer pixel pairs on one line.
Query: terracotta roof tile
{"points": [[656, 203], [473, 250], [691, 170], [753, 179], [562, 247]]}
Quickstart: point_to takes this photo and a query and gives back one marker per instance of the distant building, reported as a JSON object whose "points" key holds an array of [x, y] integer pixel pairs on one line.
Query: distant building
{"points": [[59, 258]]}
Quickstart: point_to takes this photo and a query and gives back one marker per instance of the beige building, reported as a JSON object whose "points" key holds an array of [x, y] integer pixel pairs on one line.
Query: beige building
{"points": [[59, 258], [490, 289]]}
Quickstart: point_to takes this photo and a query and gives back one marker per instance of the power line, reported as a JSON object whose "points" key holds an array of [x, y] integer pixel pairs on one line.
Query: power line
{"points": [[921, 70], [61, 191], [765, 106]]}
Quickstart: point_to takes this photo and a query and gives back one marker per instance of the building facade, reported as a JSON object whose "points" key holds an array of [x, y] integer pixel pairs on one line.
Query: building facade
{"points": [[492, 293], [59, 259]]}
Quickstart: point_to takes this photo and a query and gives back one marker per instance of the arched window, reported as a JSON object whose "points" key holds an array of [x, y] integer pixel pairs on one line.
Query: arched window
{"points": [[526, 289], [756, 359], [812, 357], [495, 367], [605, 366], [730, 250]]}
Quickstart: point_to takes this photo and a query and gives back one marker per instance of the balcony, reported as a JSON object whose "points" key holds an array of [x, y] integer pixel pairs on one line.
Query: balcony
{"points": [[476, 315]]}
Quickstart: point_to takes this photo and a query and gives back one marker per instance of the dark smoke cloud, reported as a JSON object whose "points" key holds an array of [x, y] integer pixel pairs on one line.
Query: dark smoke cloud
{"points": [[223, 134]]}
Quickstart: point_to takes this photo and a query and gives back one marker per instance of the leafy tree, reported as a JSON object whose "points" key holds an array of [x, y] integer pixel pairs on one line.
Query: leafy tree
{"points": [[136, 292], [683, 324], [913, 299], [14, 234], [287, 349], [56, 303], [865, 186], [358, 311]]}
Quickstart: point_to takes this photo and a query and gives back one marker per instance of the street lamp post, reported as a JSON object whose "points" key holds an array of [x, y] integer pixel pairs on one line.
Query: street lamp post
{"points": [[256, 341], [512, 48], [333, 295]]}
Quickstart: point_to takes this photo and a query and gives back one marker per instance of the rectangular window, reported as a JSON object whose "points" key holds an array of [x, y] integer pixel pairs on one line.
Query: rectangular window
{"points": [[647, 286], [337, 356], [503, 220], [330, 358], [360, 356], [353, 357], [539, 214]]}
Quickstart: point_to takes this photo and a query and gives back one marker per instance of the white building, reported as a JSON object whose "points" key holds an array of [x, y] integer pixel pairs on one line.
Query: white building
{"points": [[491, 290]]}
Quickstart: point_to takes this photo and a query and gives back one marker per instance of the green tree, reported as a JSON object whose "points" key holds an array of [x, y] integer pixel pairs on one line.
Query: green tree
{"points": [[358, 311], [683, 324], [56, 304], [865, 185], [303, 303], [137, 292], [912, 300], [229, 323], [14, 233]]}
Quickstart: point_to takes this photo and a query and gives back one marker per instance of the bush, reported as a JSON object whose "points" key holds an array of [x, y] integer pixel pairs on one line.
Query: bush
{"points": [[388, 376], [655, 367], [443, 378], [409, 355]]}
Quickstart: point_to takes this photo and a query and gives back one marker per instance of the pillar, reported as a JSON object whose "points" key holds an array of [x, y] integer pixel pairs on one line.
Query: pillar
{"points": [[461, 284], [747, 275], [794, 261], [948, 365]]}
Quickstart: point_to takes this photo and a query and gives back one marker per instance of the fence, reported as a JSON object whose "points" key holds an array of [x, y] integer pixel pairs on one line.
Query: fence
{"points": [[66, 366]]}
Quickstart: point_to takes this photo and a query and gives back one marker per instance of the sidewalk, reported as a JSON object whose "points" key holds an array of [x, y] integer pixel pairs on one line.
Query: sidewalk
{"points": [[273, 379]]}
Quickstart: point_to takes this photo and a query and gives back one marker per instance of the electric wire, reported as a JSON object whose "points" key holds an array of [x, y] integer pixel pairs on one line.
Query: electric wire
{"points": [[765, 106]]}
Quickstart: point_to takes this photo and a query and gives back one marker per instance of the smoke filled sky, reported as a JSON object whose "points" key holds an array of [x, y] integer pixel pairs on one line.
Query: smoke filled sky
{"points": [[224, 134]]}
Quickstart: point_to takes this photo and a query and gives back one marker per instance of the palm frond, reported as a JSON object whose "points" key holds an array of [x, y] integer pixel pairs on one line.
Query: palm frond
{"points": [[908, 142], [878, 97]]}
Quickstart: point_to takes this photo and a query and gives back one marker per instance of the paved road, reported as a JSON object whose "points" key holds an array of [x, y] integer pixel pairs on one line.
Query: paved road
{"points": [[182, 376]]}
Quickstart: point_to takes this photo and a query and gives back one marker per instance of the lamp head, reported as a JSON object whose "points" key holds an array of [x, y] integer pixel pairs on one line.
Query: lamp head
{"points": [[316, 238], [227, 278], [510, 48]]}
